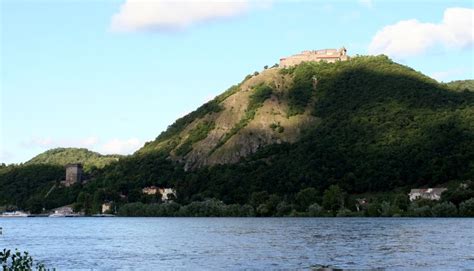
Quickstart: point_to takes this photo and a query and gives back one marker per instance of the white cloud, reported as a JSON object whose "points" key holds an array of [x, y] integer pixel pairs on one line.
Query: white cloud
{"points": [[118, 146], [159, 15], [411, 37]]}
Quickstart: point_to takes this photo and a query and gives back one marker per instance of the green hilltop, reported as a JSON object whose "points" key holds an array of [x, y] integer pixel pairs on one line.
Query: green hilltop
{"points": [[461, 85], [63, 156]]}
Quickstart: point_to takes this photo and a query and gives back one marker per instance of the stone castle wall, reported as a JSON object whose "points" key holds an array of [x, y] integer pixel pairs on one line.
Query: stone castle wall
{"points": [[328, 55]]}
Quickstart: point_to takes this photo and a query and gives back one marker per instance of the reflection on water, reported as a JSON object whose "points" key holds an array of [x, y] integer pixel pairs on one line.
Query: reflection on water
{"points": [[239, 243]]}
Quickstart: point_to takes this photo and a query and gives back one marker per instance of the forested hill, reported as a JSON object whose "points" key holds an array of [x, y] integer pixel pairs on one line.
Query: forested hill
{"points": [[279, 105], [366, 125], [380, 126], [63, 156]]}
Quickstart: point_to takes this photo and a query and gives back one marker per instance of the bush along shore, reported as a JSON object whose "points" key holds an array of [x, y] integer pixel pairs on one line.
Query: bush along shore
{"points": [[13, 261], [333, 203]]}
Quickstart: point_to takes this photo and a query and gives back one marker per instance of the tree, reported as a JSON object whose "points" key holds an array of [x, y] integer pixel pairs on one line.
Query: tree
{"points": [[444, 209], [283, 209], [306, 197], [401, 201], [385, 209], [333, 198], [18, 261], [315, 210], [258, 198], [373, 209], [262, 210], [35, 205], [272, 203], [466, 208]]}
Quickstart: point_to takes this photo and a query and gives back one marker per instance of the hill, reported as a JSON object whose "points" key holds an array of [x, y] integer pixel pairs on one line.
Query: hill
{"points": [[63, 156], [461, 85], [279, 105], [287, 137]]}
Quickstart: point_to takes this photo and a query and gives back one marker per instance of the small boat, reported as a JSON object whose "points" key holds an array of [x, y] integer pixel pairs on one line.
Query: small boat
{"points": [[14, 214], [57, 215]]}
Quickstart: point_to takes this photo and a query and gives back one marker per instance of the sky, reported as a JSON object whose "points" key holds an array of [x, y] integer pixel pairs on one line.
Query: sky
{"points": [[111, 75]]}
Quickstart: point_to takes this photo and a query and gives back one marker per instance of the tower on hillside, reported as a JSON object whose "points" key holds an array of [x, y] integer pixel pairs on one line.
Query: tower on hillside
{"points": [[73, 174]]}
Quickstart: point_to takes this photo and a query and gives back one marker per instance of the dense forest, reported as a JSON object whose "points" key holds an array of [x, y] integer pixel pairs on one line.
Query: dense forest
{"points": [[382, 129]]}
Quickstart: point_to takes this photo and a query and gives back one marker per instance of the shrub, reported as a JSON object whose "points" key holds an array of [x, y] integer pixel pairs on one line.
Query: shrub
{"points": [[333, 198], [306, 197], [315, 210], [283, 209], [420, 211], [344, 212], [444, 209], [466, 208], [385, 209], [373, 209], [18, 261]]}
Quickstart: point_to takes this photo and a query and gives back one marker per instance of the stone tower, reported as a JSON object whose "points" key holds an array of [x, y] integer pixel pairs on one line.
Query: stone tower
{"points": [[73, 174]]}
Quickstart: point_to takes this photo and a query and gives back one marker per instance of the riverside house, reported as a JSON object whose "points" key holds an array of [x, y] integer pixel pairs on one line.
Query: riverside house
{"points": [[427, 193], [166, 193]]}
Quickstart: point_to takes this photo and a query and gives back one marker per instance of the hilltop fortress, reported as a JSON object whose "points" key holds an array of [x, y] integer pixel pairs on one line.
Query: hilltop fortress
{"points": [[328, 55]]}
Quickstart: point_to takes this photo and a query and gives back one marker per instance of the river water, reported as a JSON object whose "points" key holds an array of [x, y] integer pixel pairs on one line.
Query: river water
{"points": [[243, 243]]}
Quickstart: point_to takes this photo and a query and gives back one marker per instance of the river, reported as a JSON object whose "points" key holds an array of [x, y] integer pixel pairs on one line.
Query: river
{"points": [[242, 243]]}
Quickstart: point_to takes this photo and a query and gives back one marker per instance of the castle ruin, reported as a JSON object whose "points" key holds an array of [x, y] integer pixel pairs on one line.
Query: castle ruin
{"points": [[327, 55], [73, 174]]}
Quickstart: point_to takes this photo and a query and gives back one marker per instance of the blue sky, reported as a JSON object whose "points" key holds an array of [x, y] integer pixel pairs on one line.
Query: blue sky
{"points": [[111, 75]]}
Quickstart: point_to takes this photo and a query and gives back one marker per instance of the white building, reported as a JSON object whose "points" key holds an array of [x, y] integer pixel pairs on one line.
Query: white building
{"points": [[106, 207], [164, 192], [63, 211], [428, 193]]}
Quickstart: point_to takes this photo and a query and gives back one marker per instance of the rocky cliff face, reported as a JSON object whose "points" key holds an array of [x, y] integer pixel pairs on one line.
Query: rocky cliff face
{"points": [[235, 133]]}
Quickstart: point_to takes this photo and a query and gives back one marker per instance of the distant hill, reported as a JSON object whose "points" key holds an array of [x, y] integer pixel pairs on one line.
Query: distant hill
{"points": [[461, 85], [63, 156]]}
